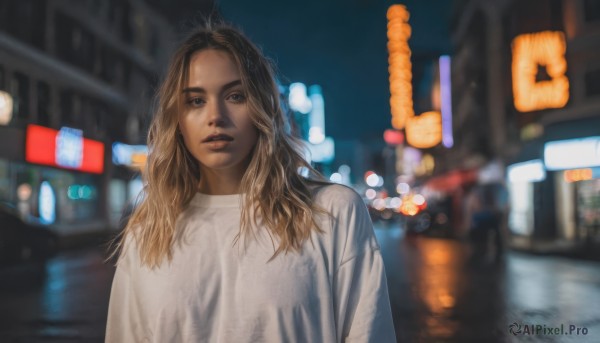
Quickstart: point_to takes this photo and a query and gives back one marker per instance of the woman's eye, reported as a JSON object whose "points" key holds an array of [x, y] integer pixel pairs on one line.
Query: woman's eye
{"points": [[195, 101], [237, 97]]}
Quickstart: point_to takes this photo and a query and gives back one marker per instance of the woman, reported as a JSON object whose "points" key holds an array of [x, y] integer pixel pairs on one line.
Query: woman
{"points": [[231, 243]]}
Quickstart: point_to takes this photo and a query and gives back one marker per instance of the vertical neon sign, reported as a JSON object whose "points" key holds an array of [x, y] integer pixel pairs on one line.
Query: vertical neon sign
{"points": [[423, 131], [446, 95], [400, 67]]}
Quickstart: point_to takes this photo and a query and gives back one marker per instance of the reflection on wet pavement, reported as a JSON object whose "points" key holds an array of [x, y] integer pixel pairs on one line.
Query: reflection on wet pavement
{"points": [[64, 301], [439, 295]]}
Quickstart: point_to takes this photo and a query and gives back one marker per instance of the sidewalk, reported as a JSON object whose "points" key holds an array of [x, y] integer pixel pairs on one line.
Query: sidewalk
{"points": [[100, 238], [571, 249]]}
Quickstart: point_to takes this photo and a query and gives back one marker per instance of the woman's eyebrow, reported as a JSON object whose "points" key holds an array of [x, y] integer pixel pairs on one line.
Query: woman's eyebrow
{"points": [[202, 90]]}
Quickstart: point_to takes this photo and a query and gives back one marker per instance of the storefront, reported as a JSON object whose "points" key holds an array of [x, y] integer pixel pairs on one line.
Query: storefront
{"points": [[576, 166], [125, 184], [555, 198], [524, 180], [53, 177]]}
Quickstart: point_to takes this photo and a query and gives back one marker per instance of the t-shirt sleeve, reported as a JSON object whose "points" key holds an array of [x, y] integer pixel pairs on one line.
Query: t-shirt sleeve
{"points": [[118, 310], [120, 323], [362, 302]]}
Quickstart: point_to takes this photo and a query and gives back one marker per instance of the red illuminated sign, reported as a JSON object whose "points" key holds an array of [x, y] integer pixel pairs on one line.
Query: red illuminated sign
{"points": [[41, 148], [393, 137]]}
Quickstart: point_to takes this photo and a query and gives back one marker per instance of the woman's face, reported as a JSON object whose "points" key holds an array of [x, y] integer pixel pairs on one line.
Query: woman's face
{"points": [[215, 121]]}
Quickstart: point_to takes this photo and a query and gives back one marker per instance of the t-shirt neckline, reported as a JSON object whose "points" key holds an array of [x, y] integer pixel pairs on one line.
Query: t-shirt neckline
{"points": [[216, 201]]}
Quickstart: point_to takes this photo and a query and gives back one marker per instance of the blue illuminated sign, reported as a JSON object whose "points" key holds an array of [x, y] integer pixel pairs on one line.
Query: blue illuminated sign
{"points": [[122, 153], [323, 152], [69, 147], [47, 201]]}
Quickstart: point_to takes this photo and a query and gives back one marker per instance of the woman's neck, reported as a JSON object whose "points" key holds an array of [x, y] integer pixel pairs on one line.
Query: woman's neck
{"points": [[220, 182]]}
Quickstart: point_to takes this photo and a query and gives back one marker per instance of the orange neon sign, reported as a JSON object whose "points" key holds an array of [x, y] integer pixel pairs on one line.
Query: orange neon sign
{"points": [[424, 131], [530, 51], [400, 67], [575, 175], [138, 160]]}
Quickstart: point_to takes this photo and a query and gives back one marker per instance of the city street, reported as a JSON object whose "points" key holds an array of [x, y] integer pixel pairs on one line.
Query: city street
{"points": [[470, 129], [436, 296]]}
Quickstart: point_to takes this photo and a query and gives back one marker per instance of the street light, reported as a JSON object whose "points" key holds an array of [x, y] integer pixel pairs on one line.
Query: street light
{"points": [[6, 108]]}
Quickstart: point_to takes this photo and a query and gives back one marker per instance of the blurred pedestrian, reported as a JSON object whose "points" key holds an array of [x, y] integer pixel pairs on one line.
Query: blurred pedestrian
{"points": [[486, 219], [230, 242]]}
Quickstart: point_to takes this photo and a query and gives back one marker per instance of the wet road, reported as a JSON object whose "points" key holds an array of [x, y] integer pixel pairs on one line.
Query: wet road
{"points": [[66, 302], [436, 296]]}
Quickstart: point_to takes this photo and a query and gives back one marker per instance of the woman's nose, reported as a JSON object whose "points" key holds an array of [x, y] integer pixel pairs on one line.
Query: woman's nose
{"points": [[216, 114]]}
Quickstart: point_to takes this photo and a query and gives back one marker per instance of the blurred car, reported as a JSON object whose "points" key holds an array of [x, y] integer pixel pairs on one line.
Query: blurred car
{"points": [[23, 242], [384, 215], [433, 221]]}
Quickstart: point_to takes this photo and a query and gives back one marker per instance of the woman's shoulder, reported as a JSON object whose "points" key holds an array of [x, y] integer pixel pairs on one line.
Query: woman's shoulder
{"points": [[352, 230], [335, 196]]}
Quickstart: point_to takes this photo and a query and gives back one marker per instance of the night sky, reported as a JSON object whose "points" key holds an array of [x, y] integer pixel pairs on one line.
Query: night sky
{"points": [[341, 45]]}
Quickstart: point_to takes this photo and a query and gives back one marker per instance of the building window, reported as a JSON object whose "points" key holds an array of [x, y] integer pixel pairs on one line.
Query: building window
{"points": [[64, 38], [85, 51], [591, 10], [154, 42], [74, 44], [108, 68], [77, 113], [98, 8], [125, 75], [66, 108], [126, 30], [118, 17], [25, 20], [20, 91], [43, 103], [99, 115], [592, 83], [2, 84]]}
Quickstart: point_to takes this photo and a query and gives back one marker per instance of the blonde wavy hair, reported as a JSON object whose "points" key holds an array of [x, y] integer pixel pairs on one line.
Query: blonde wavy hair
{"points": [[272, 187]]}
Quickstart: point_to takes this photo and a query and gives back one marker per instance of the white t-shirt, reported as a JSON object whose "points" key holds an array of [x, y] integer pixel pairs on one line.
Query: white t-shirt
{"points": [[216, 291]]}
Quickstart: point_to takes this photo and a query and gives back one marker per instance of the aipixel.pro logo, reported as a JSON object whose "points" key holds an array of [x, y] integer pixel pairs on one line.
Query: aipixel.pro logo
{"points": [[514, 328], [545, 330]]}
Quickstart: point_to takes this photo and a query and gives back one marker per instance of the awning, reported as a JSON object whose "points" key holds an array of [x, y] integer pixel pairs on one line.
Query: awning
{"points": [[452, 180]]}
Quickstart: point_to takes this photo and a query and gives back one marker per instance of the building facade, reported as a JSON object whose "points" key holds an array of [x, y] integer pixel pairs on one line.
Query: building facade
{"points": [[526, 94], [89, 68]]}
